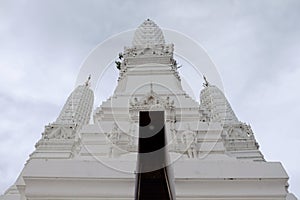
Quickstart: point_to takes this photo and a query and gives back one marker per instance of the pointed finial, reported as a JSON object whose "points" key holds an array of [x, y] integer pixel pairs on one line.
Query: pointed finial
{"points": [[151, 87], [206, 84], [87, 83]]}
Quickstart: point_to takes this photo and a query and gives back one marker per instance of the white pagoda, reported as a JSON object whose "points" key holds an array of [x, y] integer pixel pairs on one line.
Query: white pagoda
{"points": [[212, 154]]}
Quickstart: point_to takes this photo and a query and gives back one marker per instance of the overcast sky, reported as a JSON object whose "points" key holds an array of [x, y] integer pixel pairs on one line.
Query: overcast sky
{"points": [[254, 44]]}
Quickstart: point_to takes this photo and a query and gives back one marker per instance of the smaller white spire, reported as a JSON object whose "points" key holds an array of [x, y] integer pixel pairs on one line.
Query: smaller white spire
{"points": [[214, 100], [78, 107]]}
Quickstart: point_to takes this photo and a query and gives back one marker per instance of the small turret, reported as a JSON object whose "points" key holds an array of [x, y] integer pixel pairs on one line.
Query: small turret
{"points": [[77, 110], [59, 139], [213, 99], [238, 137]]}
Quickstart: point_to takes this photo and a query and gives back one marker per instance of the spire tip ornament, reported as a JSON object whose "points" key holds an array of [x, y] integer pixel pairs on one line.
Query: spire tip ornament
{"points": [[87, 83], [206, 84], [151, 87]]}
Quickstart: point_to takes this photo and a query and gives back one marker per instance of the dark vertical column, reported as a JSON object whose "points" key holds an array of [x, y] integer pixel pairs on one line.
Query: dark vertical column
{"points": [[152, 180]]}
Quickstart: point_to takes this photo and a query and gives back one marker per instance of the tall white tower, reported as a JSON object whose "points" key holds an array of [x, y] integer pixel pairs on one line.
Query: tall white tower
{"points": [[213, 155]]}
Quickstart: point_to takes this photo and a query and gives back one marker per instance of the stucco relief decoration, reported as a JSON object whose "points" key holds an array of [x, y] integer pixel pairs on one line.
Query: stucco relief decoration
{"points": [[59, 132]]}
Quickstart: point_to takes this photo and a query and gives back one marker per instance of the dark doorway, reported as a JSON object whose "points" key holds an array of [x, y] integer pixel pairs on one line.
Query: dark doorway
{"points": [[152, 180]]}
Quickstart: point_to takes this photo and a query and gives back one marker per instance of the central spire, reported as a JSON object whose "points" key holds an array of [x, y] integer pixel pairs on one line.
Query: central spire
{"points": [[149, 60], [148, 33]]}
